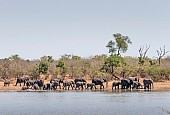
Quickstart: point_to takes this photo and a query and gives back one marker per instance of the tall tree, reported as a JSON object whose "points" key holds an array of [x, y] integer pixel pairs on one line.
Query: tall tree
{"points": [[120, 44]]}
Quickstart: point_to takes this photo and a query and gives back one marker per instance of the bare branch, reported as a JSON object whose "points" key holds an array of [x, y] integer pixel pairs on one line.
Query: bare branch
{"points": [[161, 53]]}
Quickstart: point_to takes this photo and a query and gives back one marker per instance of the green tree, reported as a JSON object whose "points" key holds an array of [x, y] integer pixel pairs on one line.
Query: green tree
{"points": [[62, 66], [111, 46], [43, 68], [120, 44], [111, 63]]}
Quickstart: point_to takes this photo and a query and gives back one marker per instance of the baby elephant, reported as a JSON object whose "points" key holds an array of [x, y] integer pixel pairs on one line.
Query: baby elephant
{"points": [[6, 83], [116, 84], [91, 85]]}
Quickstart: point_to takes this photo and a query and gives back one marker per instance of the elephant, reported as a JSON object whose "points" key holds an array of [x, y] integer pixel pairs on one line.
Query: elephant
{"points": [[35, 86], [56, 82], [29, 83], [80, 84], [148, 83], [47, 86], [21, 80], [67, 84], [6, 83], [79, 80], [40, 83], [116, 84], [91, 85], [126, 83], [99, 82], [136, 85]]}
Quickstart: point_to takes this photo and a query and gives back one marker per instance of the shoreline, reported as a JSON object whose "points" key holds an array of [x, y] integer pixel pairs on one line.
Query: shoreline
{"points": [[158, 86], [107, 91]]}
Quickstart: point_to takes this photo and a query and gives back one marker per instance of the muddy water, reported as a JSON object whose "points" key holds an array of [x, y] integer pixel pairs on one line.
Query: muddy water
{"points": [[85, 103]]}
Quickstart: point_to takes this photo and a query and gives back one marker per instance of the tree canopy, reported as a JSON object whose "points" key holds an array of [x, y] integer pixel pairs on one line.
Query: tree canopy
{"points": [[119, 45]]}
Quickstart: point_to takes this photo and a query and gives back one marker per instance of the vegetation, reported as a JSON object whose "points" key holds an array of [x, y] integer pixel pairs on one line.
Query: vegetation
{"points": [[111, 67], [120, 44]]}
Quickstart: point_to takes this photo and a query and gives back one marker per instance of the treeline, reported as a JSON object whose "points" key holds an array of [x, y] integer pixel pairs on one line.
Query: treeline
{"points": [[76, 67], [112, 66]]}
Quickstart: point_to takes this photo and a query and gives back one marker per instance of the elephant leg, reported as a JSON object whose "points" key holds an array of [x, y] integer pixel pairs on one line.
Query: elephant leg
{"points": [[144, 86], [91, 87]]}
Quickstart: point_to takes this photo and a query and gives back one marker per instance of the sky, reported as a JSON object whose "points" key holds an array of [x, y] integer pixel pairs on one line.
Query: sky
{"points": [[34, 28]]}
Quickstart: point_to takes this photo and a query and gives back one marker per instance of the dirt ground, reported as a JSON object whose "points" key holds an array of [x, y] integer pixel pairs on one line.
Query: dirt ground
{"points": [[164, 85]]}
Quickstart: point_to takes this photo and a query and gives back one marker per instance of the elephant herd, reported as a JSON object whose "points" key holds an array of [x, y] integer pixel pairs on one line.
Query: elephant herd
{"points": [[133, 83], [60, 84], [79, 83]]}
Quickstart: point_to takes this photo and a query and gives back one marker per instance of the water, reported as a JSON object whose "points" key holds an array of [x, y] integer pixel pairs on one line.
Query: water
{"points": [[85, 103]]}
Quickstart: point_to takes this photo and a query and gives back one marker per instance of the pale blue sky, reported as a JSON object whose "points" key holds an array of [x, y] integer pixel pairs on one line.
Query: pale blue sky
{"points": [[34, 28]]}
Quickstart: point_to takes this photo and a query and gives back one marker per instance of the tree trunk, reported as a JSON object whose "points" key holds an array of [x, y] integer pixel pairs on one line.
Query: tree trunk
{"points": [[112, 72], [159, 61]]}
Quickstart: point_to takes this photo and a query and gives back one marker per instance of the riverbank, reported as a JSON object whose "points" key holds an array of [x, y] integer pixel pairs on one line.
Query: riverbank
{"points": [[163, 85]]}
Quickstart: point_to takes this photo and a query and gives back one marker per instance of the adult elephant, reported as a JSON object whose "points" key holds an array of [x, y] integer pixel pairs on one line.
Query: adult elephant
{"points": [[21, 80], [126, 83], [29, 83], [56, 82], [99, 82], [68, 84], [79, 85], [79, 80], [148, 83], [116, 84], [40, 83]]}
